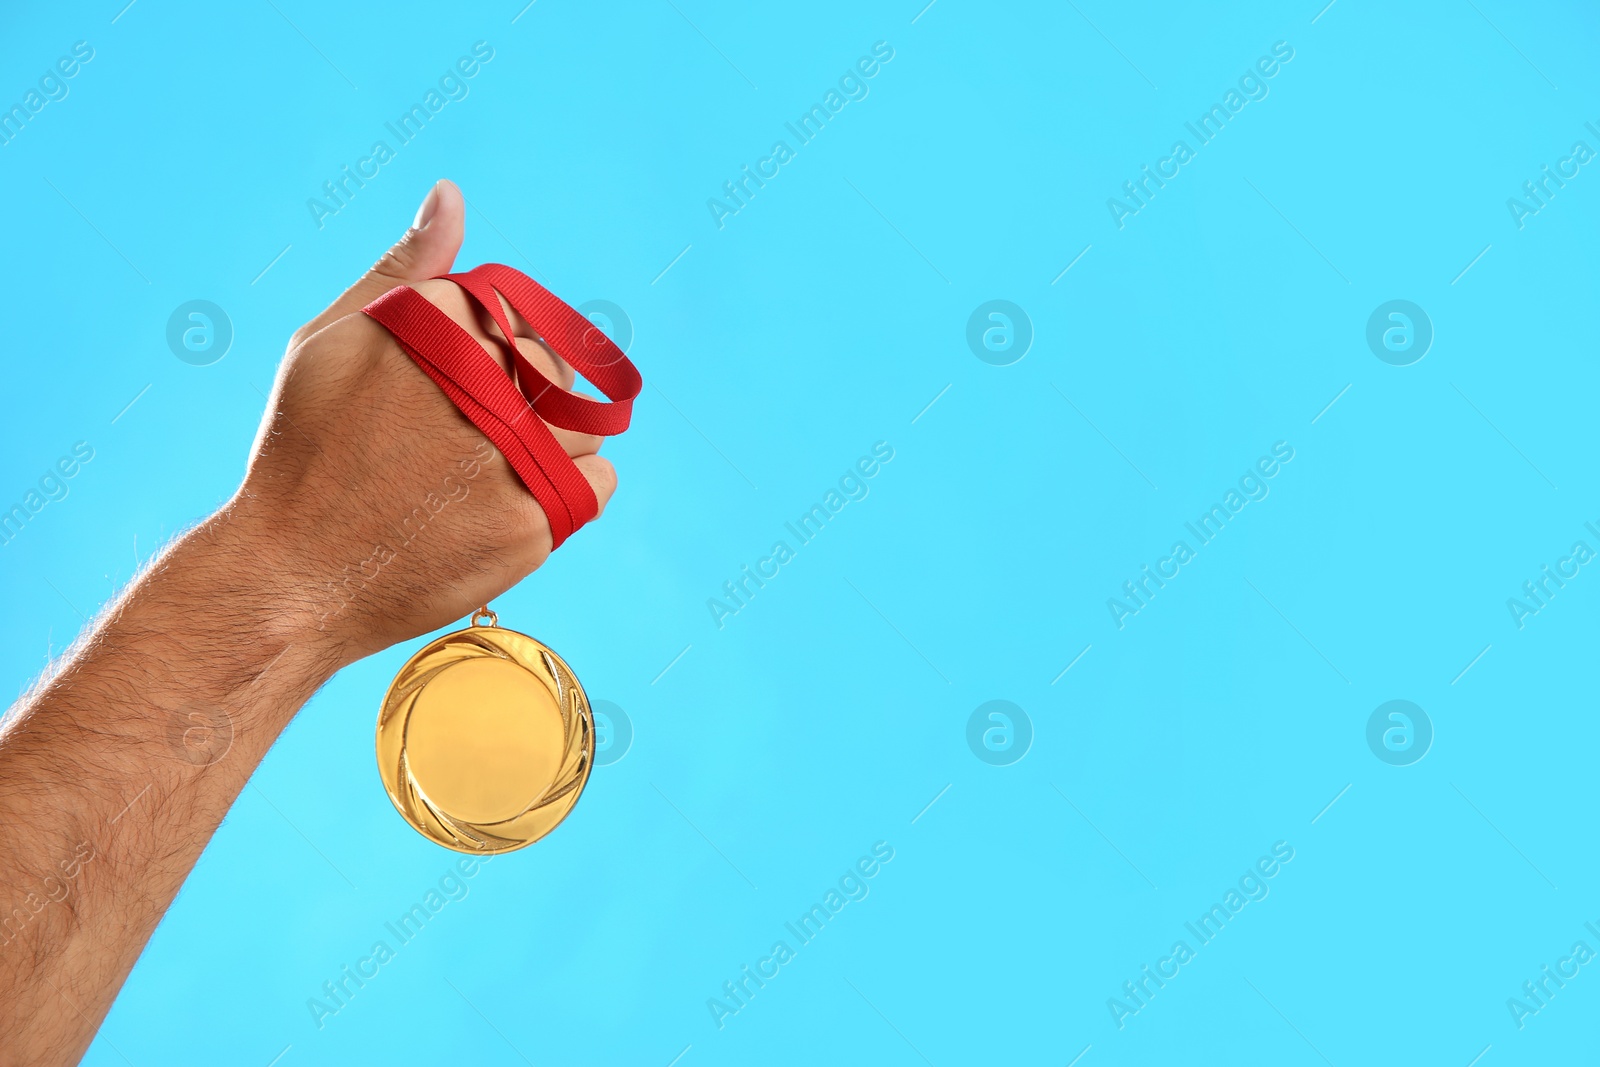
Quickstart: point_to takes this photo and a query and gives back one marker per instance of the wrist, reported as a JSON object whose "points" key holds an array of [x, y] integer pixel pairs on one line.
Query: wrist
{"points": [[197, 667], [234, 617], [273, 578]]}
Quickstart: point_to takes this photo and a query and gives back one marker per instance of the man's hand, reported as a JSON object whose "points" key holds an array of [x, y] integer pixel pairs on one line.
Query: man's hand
{"points": [[372, 511], [403, 518]]}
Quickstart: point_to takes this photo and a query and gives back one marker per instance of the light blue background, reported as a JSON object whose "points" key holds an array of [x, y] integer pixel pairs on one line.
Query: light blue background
{"points": [[823, 718]]}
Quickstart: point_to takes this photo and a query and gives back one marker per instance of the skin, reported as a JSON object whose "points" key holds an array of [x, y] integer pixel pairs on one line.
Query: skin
{"points": [[117, 767]]}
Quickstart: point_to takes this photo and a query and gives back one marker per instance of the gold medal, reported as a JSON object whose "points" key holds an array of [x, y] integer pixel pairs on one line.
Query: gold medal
{"points": [[485, 739]]}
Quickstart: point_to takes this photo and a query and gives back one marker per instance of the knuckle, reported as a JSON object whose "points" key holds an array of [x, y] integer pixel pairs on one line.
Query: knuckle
{"points": [[603, 474], [396, 264]]}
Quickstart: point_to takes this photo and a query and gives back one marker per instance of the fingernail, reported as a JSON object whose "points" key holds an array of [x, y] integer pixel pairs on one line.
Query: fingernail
{"points": [[425, 213]]}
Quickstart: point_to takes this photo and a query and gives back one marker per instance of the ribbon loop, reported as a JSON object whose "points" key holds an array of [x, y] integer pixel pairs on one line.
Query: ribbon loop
{"points": [[513, 410]]}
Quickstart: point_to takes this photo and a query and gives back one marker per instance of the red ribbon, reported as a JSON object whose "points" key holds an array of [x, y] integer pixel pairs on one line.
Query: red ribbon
{"points": [[512, 409]]}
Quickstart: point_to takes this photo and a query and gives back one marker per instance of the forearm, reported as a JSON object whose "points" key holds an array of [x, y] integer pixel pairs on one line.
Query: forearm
{"points": [[115, 772]]}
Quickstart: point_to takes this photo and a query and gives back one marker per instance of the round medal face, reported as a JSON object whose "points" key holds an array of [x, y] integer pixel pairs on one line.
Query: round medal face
{"points": [[485, 740]]}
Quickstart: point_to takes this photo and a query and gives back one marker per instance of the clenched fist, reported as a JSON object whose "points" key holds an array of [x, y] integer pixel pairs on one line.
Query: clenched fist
{"points": [[384, 512]]}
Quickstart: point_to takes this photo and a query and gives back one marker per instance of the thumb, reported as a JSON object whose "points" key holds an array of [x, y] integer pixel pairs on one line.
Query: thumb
{"points": [[427, 250]]}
